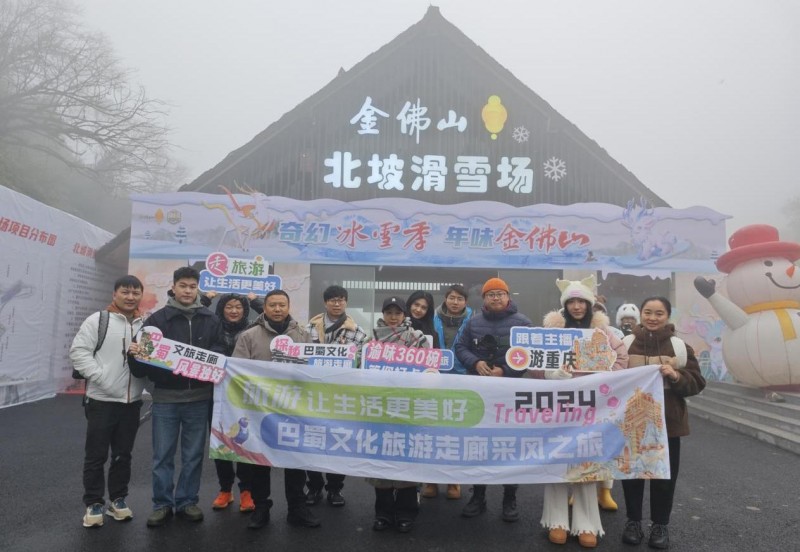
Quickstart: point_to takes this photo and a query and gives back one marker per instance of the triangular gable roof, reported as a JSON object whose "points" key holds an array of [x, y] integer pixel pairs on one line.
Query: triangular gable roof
{"points": [[431, 56]]}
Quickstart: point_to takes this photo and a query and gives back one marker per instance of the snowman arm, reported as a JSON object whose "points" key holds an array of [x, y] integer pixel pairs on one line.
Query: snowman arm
{"points": [[733, 316]]}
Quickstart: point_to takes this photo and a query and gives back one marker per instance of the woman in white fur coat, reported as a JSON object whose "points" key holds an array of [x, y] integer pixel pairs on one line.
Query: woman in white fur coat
{"points": [[577, 299]]}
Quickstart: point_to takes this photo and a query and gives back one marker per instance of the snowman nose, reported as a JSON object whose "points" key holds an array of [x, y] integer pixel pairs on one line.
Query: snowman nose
{"points": [[790, 270]]}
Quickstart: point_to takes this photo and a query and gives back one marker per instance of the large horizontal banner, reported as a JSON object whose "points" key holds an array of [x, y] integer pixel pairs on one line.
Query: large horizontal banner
{"points": [[408, 232], [442, 428]]}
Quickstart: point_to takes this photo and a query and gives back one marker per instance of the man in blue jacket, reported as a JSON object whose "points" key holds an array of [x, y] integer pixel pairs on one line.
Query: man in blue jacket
{"points": [[482, 349], [180, 405]]}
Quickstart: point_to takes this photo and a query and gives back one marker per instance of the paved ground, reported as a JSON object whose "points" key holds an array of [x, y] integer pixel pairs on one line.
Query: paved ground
{"points": [[734, 493]]}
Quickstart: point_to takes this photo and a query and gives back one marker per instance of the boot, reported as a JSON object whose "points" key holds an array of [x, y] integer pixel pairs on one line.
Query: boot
{"points": [[453, 492], [659, 537], [476, 504], [605, 500], [510, 512], [557, 535], [587, 540], [430, 490]]}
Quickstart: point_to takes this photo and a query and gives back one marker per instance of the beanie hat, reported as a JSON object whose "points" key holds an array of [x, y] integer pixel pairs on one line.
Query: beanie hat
{"points": [[628, 310], [584, 289], [494, 284]]}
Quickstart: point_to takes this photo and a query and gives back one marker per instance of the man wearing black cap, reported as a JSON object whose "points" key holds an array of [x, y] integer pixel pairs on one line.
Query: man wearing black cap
{"points": [[396, 501]]}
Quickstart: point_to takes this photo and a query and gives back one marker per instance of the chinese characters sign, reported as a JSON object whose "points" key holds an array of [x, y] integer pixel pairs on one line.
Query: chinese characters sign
{"points": [[444, 430], [395, 357], [414, 233], [227, 275], [179, 358], [571, 349], [332, 355]]}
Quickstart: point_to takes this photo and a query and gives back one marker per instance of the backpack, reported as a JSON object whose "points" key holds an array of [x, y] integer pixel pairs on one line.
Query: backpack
{"points": [[678, 345], [102, 330]]}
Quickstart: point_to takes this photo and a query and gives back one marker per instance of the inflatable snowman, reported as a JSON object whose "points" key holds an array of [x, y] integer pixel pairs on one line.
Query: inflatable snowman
{"points": [[761, 344]]}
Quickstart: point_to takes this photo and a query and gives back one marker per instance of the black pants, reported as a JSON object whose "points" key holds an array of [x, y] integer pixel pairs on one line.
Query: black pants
{"points": [[662, 491], [508, 490], [316, 482], [396, 504], [294, 481], [110, 426], [228, 472]]}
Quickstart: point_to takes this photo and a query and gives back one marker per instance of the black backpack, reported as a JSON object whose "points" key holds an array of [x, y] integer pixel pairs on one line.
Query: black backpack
{"points": [[102, 330]]}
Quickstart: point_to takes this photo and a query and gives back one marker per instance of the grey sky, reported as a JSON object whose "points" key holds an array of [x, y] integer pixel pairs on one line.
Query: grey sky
{"points": [[699, 99]]}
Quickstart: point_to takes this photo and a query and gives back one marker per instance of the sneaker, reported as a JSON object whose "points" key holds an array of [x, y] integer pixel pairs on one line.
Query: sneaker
{"points": [[192, 512], [475, 506], [159, 516], [246, 503], [259, 519], [313, 497], [93, 516], [336, 499], [510, 512], [632, 534], [659, 537], [302, 516], [430, 490], [119, 510], [222, 501]]}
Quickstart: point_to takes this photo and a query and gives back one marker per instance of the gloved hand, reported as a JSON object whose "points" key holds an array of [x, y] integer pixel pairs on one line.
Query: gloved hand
{"points": [[706, 288], [559, 374]]}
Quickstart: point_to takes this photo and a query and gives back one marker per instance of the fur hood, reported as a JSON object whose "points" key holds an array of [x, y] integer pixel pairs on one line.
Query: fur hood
{"points": [[555, 319]]}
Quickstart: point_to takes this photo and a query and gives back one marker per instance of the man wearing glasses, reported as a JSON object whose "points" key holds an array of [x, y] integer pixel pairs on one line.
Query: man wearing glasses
{"points": [[333, 326], [482, 349]]}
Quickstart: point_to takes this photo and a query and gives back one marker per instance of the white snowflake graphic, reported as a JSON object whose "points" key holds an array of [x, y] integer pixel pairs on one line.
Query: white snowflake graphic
{"points": [[521, 134], [555, 169]]}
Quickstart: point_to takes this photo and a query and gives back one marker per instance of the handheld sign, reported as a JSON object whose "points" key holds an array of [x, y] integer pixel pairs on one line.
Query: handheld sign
{"points": [[394, 357], [179, 358], [284, 349], [577, 350]]}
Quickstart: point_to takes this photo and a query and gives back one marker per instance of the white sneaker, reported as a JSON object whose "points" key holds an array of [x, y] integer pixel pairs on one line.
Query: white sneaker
{"points": [[93, 516], [119, 510]]}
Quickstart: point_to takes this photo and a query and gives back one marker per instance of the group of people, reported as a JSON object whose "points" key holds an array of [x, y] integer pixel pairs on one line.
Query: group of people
{"points": [[479, 340]]}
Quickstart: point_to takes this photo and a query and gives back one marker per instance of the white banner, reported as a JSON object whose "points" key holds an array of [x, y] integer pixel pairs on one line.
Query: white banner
{"points": [[49, 283], [442, 428]]}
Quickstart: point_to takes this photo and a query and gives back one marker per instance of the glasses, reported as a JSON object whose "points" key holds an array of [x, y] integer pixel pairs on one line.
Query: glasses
{"points": [[496, 294], [337, 301]]}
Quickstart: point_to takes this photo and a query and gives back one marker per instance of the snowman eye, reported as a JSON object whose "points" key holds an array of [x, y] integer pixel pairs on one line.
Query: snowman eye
{"points": [[767, 263]]}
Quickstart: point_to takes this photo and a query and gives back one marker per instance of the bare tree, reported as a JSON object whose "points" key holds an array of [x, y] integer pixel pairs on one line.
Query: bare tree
{"points": [[64, 94]]}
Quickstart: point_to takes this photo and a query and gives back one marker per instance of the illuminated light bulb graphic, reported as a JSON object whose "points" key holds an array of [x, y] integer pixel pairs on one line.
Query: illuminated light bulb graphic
{"points": [[494, 115]]}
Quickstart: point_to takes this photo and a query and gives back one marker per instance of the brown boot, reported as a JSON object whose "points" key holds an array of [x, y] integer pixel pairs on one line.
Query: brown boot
{"points": [[453, 492], [430, 490], [587, 540], [557, 535]]}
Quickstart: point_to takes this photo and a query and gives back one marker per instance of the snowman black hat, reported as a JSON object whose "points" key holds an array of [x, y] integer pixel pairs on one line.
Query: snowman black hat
{"points": [[755, 242]]}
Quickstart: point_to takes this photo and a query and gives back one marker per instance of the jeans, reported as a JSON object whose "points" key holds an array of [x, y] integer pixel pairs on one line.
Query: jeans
{"points": [[189, 423], [110, 425]]}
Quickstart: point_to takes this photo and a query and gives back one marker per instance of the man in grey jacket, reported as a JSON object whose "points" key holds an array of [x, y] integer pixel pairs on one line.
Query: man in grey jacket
{"points": [[113, 400]]}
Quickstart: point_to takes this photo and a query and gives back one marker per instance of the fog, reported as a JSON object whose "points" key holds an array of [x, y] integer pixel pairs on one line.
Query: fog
{"points": [[699, 99]]}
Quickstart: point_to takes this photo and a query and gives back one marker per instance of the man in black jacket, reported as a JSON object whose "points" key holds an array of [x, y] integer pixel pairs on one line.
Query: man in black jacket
{"points": [[180, 405]]}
